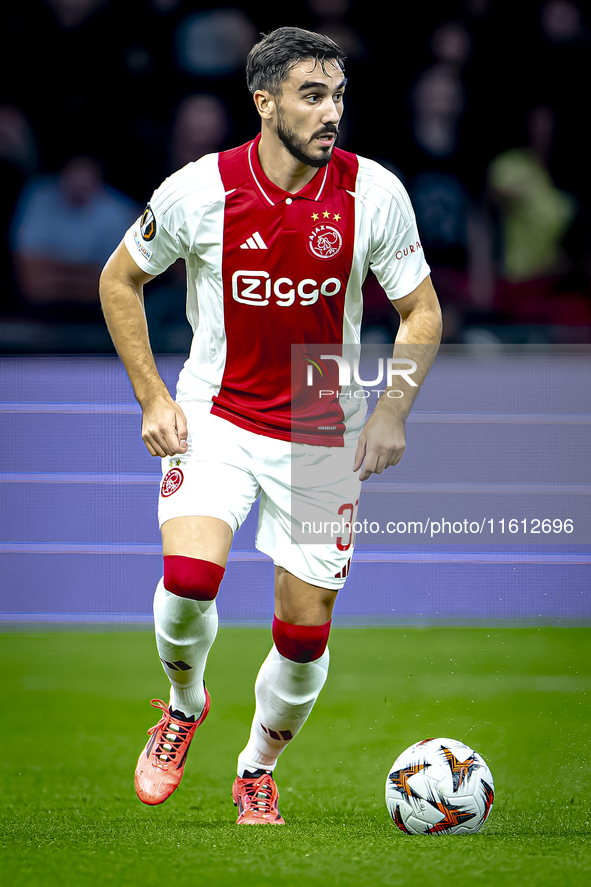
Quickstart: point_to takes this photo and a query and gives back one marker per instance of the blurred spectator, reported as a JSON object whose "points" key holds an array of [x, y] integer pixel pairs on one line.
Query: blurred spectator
{"points": [[215, 42], [561, 21], [165, 6], [437, 104], [201, 126], [72, 13], [534, 215], [534, 218], [429, 151], [64, 230], [477, 9], [451, 43], [62, 63], [562, 66], [438, 101], [456, 239], [17, 142], [332, 19], [18, 160], [441, 205], [442, 202]]}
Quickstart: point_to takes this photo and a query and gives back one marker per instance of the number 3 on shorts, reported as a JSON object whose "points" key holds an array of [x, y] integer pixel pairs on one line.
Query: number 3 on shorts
{"points": [[347, 514]]}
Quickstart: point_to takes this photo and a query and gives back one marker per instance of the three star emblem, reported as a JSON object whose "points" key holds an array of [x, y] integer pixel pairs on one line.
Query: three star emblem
{"points": [[326, 215]]}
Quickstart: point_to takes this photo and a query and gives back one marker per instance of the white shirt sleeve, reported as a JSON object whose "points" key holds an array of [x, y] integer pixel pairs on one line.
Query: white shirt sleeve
{"points": [[152, 241], [397, 257]]}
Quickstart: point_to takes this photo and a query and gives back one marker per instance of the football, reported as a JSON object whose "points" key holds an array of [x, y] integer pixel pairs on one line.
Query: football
{"points": [[439, 787]]}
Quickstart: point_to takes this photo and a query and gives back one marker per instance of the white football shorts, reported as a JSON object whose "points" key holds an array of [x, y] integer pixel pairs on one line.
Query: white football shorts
{"points": [[308, 494]]}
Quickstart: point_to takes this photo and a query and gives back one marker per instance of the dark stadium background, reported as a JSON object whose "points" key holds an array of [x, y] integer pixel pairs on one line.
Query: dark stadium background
{"points": [[464, 101]]}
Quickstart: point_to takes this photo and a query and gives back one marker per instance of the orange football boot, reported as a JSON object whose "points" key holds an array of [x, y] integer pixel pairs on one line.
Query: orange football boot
{"points": [[161, 764], [257, 800]]}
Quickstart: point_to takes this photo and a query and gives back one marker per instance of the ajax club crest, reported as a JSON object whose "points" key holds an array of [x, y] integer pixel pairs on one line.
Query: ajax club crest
{"points": [[171, 482], [325, 241]]}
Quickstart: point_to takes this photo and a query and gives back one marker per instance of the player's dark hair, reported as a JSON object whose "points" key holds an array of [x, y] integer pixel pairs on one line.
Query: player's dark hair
{"points": [[270, 60]]}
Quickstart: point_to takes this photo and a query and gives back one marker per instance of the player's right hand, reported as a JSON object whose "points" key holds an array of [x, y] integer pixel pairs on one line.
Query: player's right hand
{"points": [[164, 427]]}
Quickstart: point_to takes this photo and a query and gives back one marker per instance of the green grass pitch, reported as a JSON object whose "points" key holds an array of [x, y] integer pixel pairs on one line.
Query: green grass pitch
{"points": [[75, 710]]}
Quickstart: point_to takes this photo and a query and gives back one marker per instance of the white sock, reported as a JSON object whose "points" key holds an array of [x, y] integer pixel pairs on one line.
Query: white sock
{"points": [[185, 631], [285, 694]]}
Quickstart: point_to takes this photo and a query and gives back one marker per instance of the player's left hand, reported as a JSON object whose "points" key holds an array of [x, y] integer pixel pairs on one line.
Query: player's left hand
{"points": [[381, 444]]}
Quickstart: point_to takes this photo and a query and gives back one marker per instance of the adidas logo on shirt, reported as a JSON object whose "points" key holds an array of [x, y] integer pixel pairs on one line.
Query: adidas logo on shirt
{"points": [[254, 242]]}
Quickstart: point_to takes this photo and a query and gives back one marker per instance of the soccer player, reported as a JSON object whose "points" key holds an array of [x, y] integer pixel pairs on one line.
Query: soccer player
{"points": [[277, 236]]}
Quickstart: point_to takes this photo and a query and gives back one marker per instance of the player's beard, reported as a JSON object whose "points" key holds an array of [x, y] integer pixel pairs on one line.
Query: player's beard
{"points": [[297, 146]]}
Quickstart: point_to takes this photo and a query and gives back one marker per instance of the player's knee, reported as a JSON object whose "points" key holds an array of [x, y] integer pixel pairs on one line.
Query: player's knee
{"points": [[191, 577], [300, 643]]}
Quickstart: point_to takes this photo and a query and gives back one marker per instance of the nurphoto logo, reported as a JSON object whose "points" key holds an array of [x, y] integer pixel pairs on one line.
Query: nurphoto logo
{"points": [[388, 367]]}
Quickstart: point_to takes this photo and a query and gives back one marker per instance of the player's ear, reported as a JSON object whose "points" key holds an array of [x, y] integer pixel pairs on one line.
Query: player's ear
{"points": [[265, 103]]}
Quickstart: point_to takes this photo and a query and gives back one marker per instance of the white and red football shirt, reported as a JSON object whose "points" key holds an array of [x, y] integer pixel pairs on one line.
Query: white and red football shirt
{"points": [[267, 269]]}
